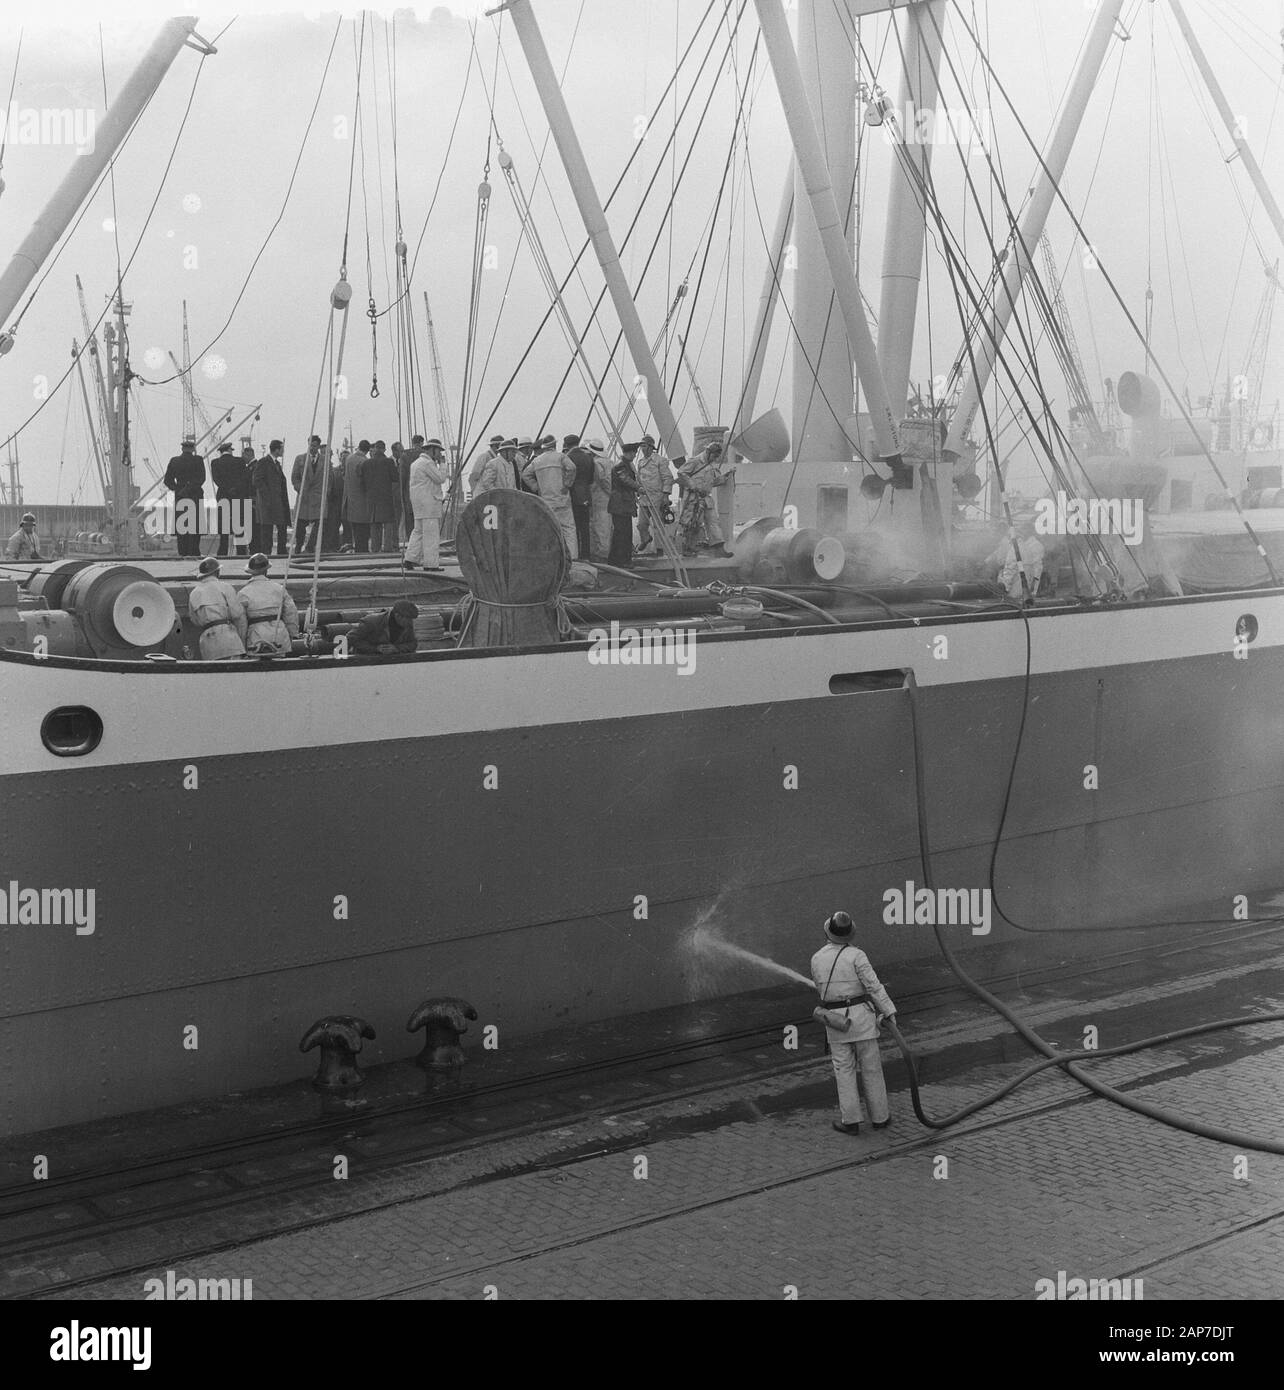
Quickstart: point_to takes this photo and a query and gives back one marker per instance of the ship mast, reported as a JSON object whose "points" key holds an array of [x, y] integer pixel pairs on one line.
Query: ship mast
{"points": [[1229, 120], [439, 386], [906, 210], [767, 304], [84, 173], [594, 218], [824, 41], [48, 228], [1051, 168]]}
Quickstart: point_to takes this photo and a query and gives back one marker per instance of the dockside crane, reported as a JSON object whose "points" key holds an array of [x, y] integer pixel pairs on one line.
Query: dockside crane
{"points": [[102, 427], [193, 410]]}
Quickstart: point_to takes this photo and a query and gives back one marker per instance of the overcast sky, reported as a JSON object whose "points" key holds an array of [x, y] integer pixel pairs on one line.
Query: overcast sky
{"points": [[1150, 176]]}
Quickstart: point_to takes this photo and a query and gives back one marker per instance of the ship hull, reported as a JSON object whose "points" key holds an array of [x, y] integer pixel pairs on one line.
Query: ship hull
{"points": [[541, 835]]}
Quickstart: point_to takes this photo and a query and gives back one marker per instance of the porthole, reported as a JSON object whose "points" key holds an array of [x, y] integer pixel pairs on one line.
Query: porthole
{"points": [[71, 731]]}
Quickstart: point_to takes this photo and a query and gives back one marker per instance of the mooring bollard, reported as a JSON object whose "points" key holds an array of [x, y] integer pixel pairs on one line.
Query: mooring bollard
{"points": [[445, 1020], [339, 1038]]}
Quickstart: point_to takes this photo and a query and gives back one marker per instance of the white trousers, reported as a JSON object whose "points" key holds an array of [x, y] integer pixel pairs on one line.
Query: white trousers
{"points": [[423, 548], [566, 520], [847, 1056]]}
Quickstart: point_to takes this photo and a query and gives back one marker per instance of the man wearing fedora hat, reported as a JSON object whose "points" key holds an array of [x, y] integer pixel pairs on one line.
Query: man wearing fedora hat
{"points": [[503, 471], [479, 465], [428, 474], [852, 1005], [551, 473]]}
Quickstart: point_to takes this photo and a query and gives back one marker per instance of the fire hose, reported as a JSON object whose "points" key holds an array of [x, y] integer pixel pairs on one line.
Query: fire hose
{"points": [[1070, 1062]]}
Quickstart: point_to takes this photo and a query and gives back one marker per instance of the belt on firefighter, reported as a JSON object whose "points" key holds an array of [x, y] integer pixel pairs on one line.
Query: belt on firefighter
{"points": [[218, 622], [844, 1003], [253, 618]]}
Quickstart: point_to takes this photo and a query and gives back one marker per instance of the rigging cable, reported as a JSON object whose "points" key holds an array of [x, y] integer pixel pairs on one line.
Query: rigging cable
{"points": [[628, 164], [13, 85], [298, 160], [1234, 501], [619, 338], [54, 389]]}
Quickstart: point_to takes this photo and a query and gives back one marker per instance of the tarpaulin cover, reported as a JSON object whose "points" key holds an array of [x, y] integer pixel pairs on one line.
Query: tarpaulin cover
{"points": [[511, 553]]}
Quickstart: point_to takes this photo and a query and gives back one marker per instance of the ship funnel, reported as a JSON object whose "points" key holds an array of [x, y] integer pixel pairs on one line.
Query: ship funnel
{"points": [[1138, 396], [766, 440]]}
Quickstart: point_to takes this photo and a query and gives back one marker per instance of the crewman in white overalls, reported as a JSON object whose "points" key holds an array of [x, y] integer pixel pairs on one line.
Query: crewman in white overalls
{"points": [[850, 990], [262, 599], [215, 610]]}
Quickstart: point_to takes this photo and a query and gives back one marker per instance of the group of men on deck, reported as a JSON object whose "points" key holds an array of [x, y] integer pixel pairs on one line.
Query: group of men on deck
{"points": [[597, 499], [372, 498]]}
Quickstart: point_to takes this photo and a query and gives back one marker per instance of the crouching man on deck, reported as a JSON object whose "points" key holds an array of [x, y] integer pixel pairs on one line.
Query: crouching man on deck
{"points": [[387, 632], [851, 994]]}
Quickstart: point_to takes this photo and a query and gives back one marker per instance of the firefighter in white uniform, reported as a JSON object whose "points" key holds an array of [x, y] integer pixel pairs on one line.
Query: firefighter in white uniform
{"points": [[849, 990], [215, 608]]}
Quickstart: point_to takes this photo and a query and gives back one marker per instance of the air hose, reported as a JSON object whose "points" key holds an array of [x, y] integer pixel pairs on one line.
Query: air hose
{"points": [[1070, 1062]]}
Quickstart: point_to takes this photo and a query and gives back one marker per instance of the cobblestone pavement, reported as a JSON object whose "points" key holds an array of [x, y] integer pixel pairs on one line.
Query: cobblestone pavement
{"points": [[777, 1205]]}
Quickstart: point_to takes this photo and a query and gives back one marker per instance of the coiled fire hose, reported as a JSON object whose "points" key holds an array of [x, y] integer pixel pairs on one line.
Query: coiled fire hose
{"points": [[1068, 1061]]}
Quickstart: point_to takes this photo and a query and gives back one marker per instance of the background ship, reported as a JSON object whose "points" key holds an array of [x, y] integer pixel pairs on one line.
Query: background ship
{"points": [[271, 841]]}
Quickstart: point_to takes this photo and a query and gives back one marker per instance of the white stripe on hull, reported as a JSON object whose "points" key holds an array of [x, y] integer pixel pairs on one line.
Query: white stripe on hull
{"points": [[153, 714]]}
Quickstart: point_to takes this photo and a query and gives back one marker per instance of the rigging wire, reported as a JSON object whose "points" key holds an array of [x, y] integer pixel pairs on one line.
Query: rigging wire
{"points": [[957, 268], [281, 212], [1234, 501], [655, 244], [13, 84], [637, 149], [57, 386]]}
